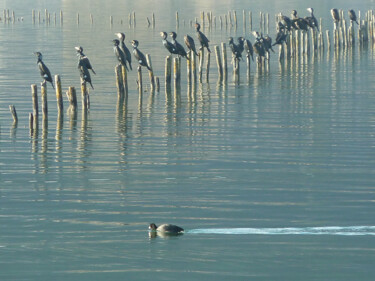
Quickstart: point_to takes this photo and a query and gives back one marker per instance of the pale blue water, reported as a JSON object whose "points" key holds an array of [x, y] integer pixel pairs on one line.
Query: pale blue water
{"points": [[281, 163]]}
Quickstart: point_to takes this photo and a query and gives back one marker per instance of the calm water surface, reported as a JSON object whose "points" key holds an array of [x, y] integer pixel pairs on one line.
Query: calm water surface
{"points": [[272, 177]]}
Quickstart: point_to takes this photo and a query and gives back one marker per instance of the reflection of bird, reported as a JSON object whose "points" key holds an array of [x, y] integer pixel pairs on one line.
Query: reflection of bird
{"points": [[119, 53], [202, 38], [125, 49], [168, 45], [166, 228], [43, 69], [249, 48], [190, 44], [335, 15], [139, 55], [353, 16], [82, 59], [179, 48]]}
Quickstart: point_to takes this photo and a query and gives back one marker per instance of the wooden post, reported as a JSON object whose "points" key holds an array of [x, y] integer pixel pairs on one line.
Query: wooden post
{"points": [[14, 114], [250, 20], [219, 62], [61, 17], [177, 21], [248, 63], [59, 98], [119, 81], [328, 40], [281, 52], [84, 96], [208, 65], [201, 59], [168, 66], [34, 94], [177, 76], [224, 56], [140, 86], [72, 98], [43, 91], [31, 122], [188, 66], [151, 73], [153, 20], [125, 81]]}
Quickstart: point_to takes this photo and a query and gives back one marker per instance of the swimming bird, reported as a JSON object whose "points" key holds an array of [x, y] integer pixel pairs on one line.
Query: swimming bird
{"points": [[139, 55], [335, 15], [83, 59], [125, 49], [202, 38], [189, 42], [311, 20], [166, 228], [179, 48], [168, 45], [353, 16], [43, 69], [248, 47], [119, 53]]}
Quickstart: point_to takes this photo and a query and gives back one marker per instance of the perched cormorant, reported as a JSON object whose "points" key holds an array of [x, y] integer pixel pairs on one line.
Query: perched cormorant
{"points": [[125, 49], [119, 53], [249, 48], [259, 48], [280, 37], [82, 59], [139, 55], [236, 50], [300, 23], [353, 16], [287, 22], [179, 48], [335, 15], [85, 74], [166, 228], [311, 20], [43, 69], [168, 45], [267, 42], [202, 38], [190, 44]]}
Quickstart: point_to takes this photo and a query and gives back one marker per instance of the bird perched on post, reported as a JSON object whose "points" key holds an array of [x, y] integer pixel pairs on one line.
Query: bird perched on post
{"points": [[119, 53], [311, 20], [190, 44], [83, 59], [179, 48], [43, 69], [353, 16], [335, 15], [202, 38], [125, 49], [139, 55], [249, 49], [168, 45]]}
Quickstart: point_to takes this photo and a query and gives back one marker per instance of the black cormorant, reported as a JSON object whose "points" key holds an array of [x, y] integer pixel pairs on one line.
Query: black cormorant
{"points": [[85, 74], [168, 45], [166, 228], [139, 55], [202, 38], [190, 44], [287, 22], [335, 15], [119, 53], [82, 59], [249, 49], [267, 42], [125, 49], [300, 23], [43, 69], [236, 50], [311, 20], [179, 48], [280, 37], [353, 16], [259, 48]]}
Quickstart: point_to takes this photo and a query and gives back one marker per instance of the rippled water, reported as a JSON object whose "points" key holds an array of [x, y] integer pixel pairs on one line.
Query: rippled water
{"points": [[285, 152]]}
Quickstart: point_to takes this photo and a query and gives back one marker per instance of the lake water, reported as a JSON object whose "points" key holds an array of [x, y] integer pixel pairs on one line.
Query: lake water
{"points": [[272, 177]]}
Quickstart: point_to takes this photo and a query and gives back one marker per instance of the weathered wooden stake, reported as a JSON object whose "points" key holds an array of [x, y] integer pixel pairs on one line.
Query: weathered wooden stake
{"points": [[43, 91], [72, 98], [224, 57], [168, 71], [125, 81], [157, 84], [140, 86], [84, 96], [34, 95], [151, 72], [14, 114], [119, 81], [201, 59], [208, 59], [59, 99], [188, 66], [219, 62]]}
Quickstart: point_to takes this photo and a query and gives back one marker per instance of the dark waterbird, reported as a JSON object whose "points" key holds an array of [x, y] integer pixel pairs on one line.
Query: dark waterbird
{"points": [[189, 42], [43, 69], [168, 45], [119, 53], [335, 15], [202, 38], [236, 49], [248, 47], [353, 16], [166, 228], [311, 20], [179, 48], [280, 37], [83, 60], [139, 55], [300, 23], [287, 22], [125, 49]]}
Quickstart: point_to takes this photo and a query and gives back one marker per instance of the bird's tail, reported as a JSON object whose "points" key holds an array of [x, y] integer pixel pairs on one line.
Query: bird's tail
{"points": [[130, 66], [91, 85], [208, 49], [93, 71]]}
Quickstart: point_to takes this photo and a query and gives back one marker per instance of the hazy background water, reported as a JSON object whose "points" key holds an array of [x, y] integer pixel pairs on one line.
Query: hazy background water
{"points": [[293, 147]]}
